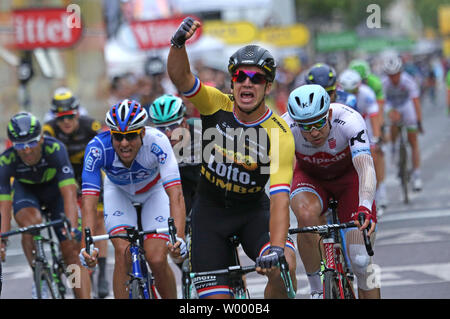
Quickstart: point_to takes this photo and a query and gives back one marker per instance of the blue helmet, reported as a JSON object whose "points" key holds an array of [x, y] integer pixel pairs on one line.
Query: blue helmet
{"points": [[125, 116], [322, 74], [308, 103]]}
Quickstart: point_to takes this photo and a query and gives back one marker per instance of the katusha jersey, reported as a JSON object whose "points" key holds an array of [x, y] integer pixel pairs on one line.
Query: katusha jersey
{"points": [[155, 162], [239, 157], [348, 138]]}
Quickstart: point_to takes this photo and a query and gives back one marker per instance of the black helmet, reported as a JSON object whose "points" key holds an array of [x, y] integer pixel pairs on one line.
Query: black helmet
{"points": [[23, 127], [253, 55], [64, 101], [323, 75]]}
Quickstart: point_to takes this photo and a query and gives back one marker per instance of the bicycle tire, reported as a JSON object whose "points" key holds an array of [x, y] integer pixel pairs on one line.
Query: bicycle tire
{"points": [[43, 274], [330, 286], [403, 170], [136, 289]]}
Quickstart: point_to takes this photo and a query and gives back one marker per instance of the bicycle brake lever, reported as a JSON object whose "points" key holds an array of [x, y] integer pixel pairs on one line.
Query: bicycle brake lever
{"points": [[366, 238], [88, 239], [172, 231]]}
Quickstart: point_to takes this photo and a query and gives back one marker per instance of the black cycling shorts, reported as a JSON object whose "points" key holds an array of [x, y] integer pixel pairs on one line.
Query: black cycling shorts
{"points": [[211, 249], [39, 195]]}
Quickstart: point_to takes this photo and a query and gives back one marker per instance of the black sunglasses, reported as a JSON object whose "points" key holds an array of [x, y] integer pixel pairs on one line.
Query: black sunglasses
{"points": [[69, 117], [256, 78], [129, 136]]}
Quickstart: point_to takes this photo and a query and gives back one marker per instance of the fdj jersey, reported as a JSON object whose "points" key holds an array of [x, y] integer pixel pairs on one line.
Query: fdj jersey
{"points": [[239, 157]]}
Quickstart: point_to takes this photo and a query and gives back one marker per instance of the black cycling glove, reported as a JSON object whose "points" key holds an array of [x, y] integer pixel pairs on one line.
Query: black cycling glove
{"points": [[271, 259], [179, 38]]}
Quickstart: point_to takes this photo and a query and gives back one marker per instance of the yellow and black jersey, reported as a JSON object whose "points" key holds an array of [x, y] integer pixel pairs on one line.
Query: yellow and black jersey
{"points": [[75, 142], [238, 157]]}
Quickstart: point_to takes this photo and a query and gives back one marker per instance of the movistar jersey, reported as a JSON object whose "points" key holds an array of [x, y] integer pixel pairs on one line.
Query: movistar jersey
{"points": [[76, 142], [239, 157], [155, 162], [54, 166]]}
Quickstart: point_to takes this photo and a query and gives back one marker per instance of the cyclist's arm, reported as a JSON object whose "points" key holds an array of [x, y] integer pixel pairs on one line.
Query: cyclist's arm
{"points": [[418, 108], [69, 195], [279, 218], [5, 212], [177, 208], [88, 213], [178, 66]]}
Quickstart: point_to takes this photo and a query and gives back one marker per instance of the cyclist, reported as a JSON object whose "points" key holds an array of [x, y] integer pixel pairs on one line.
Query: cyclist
{"points": [[325, 76], [75, 131], [140, 167], [167, 114], [43, 176], [372, 81], [403, 105], [367, 106], [239, 134], [333, 160]]}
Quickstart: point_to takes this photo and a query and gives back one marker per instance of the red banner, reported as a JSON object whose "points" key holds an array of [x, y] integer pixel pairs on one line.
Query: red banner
{"points": [[46, 28], [156, 34]]}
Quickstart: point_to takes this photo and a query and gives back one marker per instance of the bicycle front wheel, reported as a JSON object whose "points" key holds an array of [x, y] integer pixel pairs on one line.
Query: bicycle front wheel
{"points": [[330, 286], [136, 290], [43, 276]]}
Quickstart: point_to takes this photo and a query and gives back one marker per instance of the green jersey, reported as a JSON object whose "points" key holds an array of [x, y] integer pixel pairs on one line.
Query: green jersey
{"points": [[375, 84]]}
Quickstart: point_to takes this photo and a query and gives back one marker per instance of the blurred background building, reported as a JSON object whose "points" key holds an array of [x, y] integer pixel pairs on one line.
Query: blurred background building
{"points": [[112, 49]]}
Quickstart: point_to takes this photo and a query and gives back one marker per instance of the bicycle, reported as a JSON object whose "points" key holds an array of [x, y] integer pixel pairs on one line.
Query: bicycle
{"points": [[336, 271], [141, 283], [43, 271], [236, 274]]}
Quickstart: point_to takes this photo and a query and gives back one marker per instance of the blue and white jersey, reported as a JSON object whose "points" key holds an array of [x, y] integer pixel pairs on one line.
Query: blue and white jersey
{"points": [[346, 98], [154, 162]]}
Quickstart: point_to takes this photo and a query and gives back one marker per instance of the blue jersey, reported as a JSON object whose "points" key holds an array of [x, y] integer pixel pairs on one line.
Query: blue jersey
{"points": [[154, 162], [346, 99]]}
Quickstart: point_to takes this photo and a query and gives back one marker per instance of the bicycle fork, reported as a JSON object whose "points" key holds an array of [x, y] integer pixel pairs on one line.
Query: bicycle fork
{"points": [[334, 261]]}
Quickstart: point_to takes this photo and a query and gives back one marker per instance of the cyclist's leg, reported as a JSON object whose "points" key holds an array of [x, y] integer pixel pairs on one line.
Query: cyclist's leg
{"points": [[308, 201], [255, 241], [410, 120], [26, 210], [395, 118], [155, 212], [346, 190], [210, 248], [119, 213], [69, 248]]}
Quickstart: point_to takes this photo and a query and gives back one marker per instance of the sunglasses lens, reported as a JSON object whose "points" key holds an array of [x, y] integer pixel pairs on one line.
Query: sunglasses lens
{"points": [[256, 78], [129, 137], [62, 118], [318, 125], [22, 146]]}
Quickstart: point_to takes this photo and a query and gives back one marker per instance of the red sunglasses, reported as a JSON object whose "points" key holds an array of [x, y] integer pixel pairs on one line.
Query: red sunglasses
{"points": [[256, 78]]}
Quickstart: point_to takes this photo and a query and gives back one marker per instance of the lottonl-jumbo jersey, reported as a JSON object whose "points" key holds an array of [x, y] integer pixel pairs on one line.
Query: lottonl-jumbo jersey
{"points": [[155, 161], [239, 157], [347, 139]]}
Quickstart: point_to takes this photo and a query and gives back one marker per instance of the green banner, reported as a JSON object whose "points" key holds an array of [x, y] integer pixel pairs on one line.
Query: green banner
{"points": [[326, 42]]}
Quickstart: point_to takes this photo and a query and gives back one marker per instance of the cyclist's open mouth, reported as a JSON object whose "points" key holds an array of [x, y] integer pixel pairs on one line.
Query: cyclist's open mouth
{"points": [[247, 97]]}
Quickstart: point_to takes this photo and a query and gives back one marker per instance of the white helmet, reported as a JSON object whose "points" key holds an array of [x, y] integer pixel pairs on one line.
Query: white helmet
{"points": [[392, 65], [349, 80]]}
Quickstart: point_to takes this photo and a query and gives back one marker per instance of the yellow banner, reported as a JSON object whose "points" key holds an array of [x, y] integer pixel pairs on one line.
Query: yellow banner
{"points": [[444, 20], [245, 32], [446, 47], [289, 36], [232, 32]]}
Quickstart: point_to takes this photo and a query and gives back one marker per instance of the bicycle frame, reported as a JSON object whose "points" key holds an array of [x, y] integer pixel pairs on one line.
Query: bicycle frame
{"points": [[139, 271]]}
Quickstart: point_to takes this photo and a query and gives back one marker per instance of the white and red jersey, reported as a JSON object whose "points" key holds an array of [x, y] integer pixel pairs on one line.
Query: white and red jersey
{"points": [[367, 106], [348, 138], [400, 95]]}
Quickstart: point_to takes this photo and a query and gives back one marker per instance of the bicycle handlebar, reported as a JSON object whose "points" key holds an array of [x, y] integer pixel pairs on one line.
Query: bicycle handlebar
{"points": [[39, 227], [239, 270], [324, 229]]}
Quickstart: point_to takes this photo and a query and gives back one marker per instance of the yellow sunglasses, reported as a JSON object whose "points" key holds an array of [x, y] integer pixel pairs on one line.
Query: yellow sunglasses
{"points": [[129, 136]]}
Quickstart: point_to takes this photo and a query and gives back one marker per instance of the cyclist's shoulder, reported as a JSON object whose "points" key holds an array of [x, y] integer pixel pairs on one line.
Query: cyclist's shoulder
{"points": [[89, 124], [50, 127], [208, 99], [8, 157]]}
